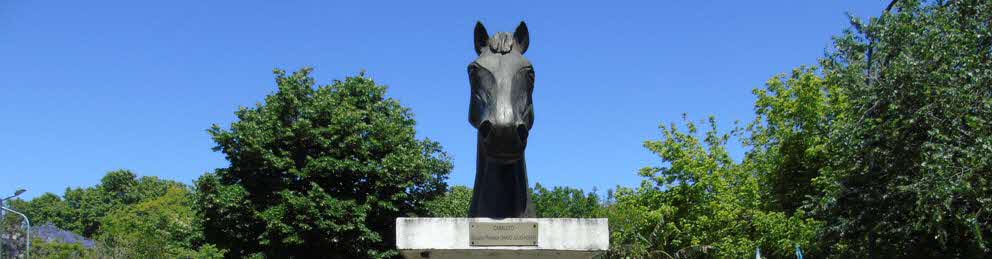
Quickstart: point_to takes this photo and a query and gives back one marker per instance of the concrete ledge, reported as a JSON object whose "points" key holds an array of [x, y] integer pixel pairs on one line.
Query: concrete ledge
{"points": [[449, 238]]}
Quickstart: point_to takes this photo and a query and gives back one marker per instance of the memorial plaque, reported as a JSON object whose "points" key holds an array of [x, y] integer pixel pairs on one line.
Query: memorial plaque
{"points": [[503, 234]]}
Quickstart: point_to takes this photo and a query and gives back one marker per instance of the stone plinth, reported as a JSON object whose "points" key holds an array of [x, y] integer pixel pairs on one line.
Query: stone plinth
{"points": [[449, 238]]}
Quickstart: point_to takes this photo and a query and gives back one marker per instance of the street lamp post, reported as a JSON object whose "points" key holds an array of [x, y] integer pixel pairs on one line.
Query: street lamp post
{"points": [[3, 208], [17, 193]]}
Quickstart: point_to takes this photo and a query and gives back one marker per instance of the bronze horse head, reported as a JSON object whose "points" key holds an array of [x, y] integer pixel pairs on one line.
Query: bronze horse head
{"points": [[502, 110]]}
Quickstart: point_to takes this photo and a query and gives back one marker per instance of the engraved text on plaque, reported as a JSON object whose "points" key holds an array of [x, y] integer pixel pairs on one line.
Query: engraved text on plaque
{"points": [[503, 234]]}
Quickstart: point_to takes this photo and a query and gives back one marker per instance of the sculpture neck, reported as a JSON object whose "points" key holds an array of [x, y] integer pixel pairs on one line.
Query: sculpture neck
{"points": [[501, 189]]}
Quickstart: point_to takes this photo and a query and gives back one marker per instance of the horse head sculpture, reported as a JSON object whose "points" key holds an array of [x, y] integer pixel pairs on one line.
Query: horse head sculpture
{"points": [[502, 110]]}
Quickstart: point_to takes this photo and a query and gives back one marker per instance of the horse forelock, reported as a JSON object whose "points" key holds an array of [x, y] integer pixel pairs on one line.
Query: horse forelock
{"points": [[501, 43]]}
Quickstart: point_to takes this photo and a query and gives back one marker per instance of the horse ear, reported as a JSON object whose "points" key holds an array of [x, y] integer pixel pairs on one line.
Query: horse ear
{"points": [[522, 36], [481, 37]]}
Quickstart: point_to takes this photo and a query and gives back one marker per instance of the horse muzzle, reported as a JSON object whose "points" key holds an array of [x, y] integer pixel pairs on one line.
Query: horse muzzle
{"points": [[504, 141]]}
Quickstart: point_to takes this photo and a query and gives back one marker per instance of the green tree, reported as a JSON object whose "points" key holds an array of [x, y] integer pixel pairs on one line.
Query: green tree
{"points": [[788, 138], [565, 202], [81, 210], [48, 208], [700, 203], [42, 249], [319, 171], [640, 225], [911, 162], [453, 204], [163, 227], [129, 216]]}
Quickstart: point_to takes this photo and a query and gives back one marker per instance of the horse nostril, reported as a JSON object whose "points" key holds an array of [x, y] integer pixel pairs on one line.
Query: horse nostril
{"points": [[485, 129], [522, 132]]}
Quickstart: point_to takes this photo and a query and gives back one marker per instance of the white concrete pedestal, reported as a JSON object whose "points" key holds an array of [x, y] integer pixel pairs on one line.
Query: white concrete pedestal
{"points": [[449, 238]]}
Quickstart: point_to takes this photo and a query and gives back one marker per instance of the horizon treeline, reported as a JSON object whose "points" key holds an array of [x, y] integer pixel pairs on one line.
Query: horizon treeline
{"points": [[882, 149]]}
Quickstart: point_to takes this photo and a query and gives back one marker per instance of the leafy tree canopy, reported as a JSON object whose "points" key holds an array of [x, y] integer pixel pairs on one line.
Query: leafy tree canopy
{"points": [[163, 227], [700, 203], [911, 157], [146, 211], [565, 202], [81, 210], [319, 170], [453, 204]]}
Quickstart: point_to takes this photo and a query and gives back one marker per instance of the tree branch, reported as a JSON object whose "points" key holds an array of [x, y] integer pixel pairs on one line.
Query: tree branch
{"points": [[891, 4]]}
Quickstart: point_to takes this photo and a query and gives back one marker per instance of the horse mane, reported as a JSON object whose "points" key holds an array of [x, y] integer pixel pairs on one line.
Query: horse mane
{"points": [[501, 43]]}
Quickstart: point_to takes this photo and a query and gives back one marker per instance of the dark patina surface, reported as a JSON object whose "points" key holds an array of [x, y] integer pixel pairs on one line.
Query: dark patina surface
{"points": [[502, 111]]}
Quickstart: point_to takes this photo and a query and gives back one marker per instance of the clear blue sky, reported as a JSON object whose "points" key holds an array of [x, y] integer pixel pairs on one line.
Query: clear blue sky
{"points": [[93, 86]]}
